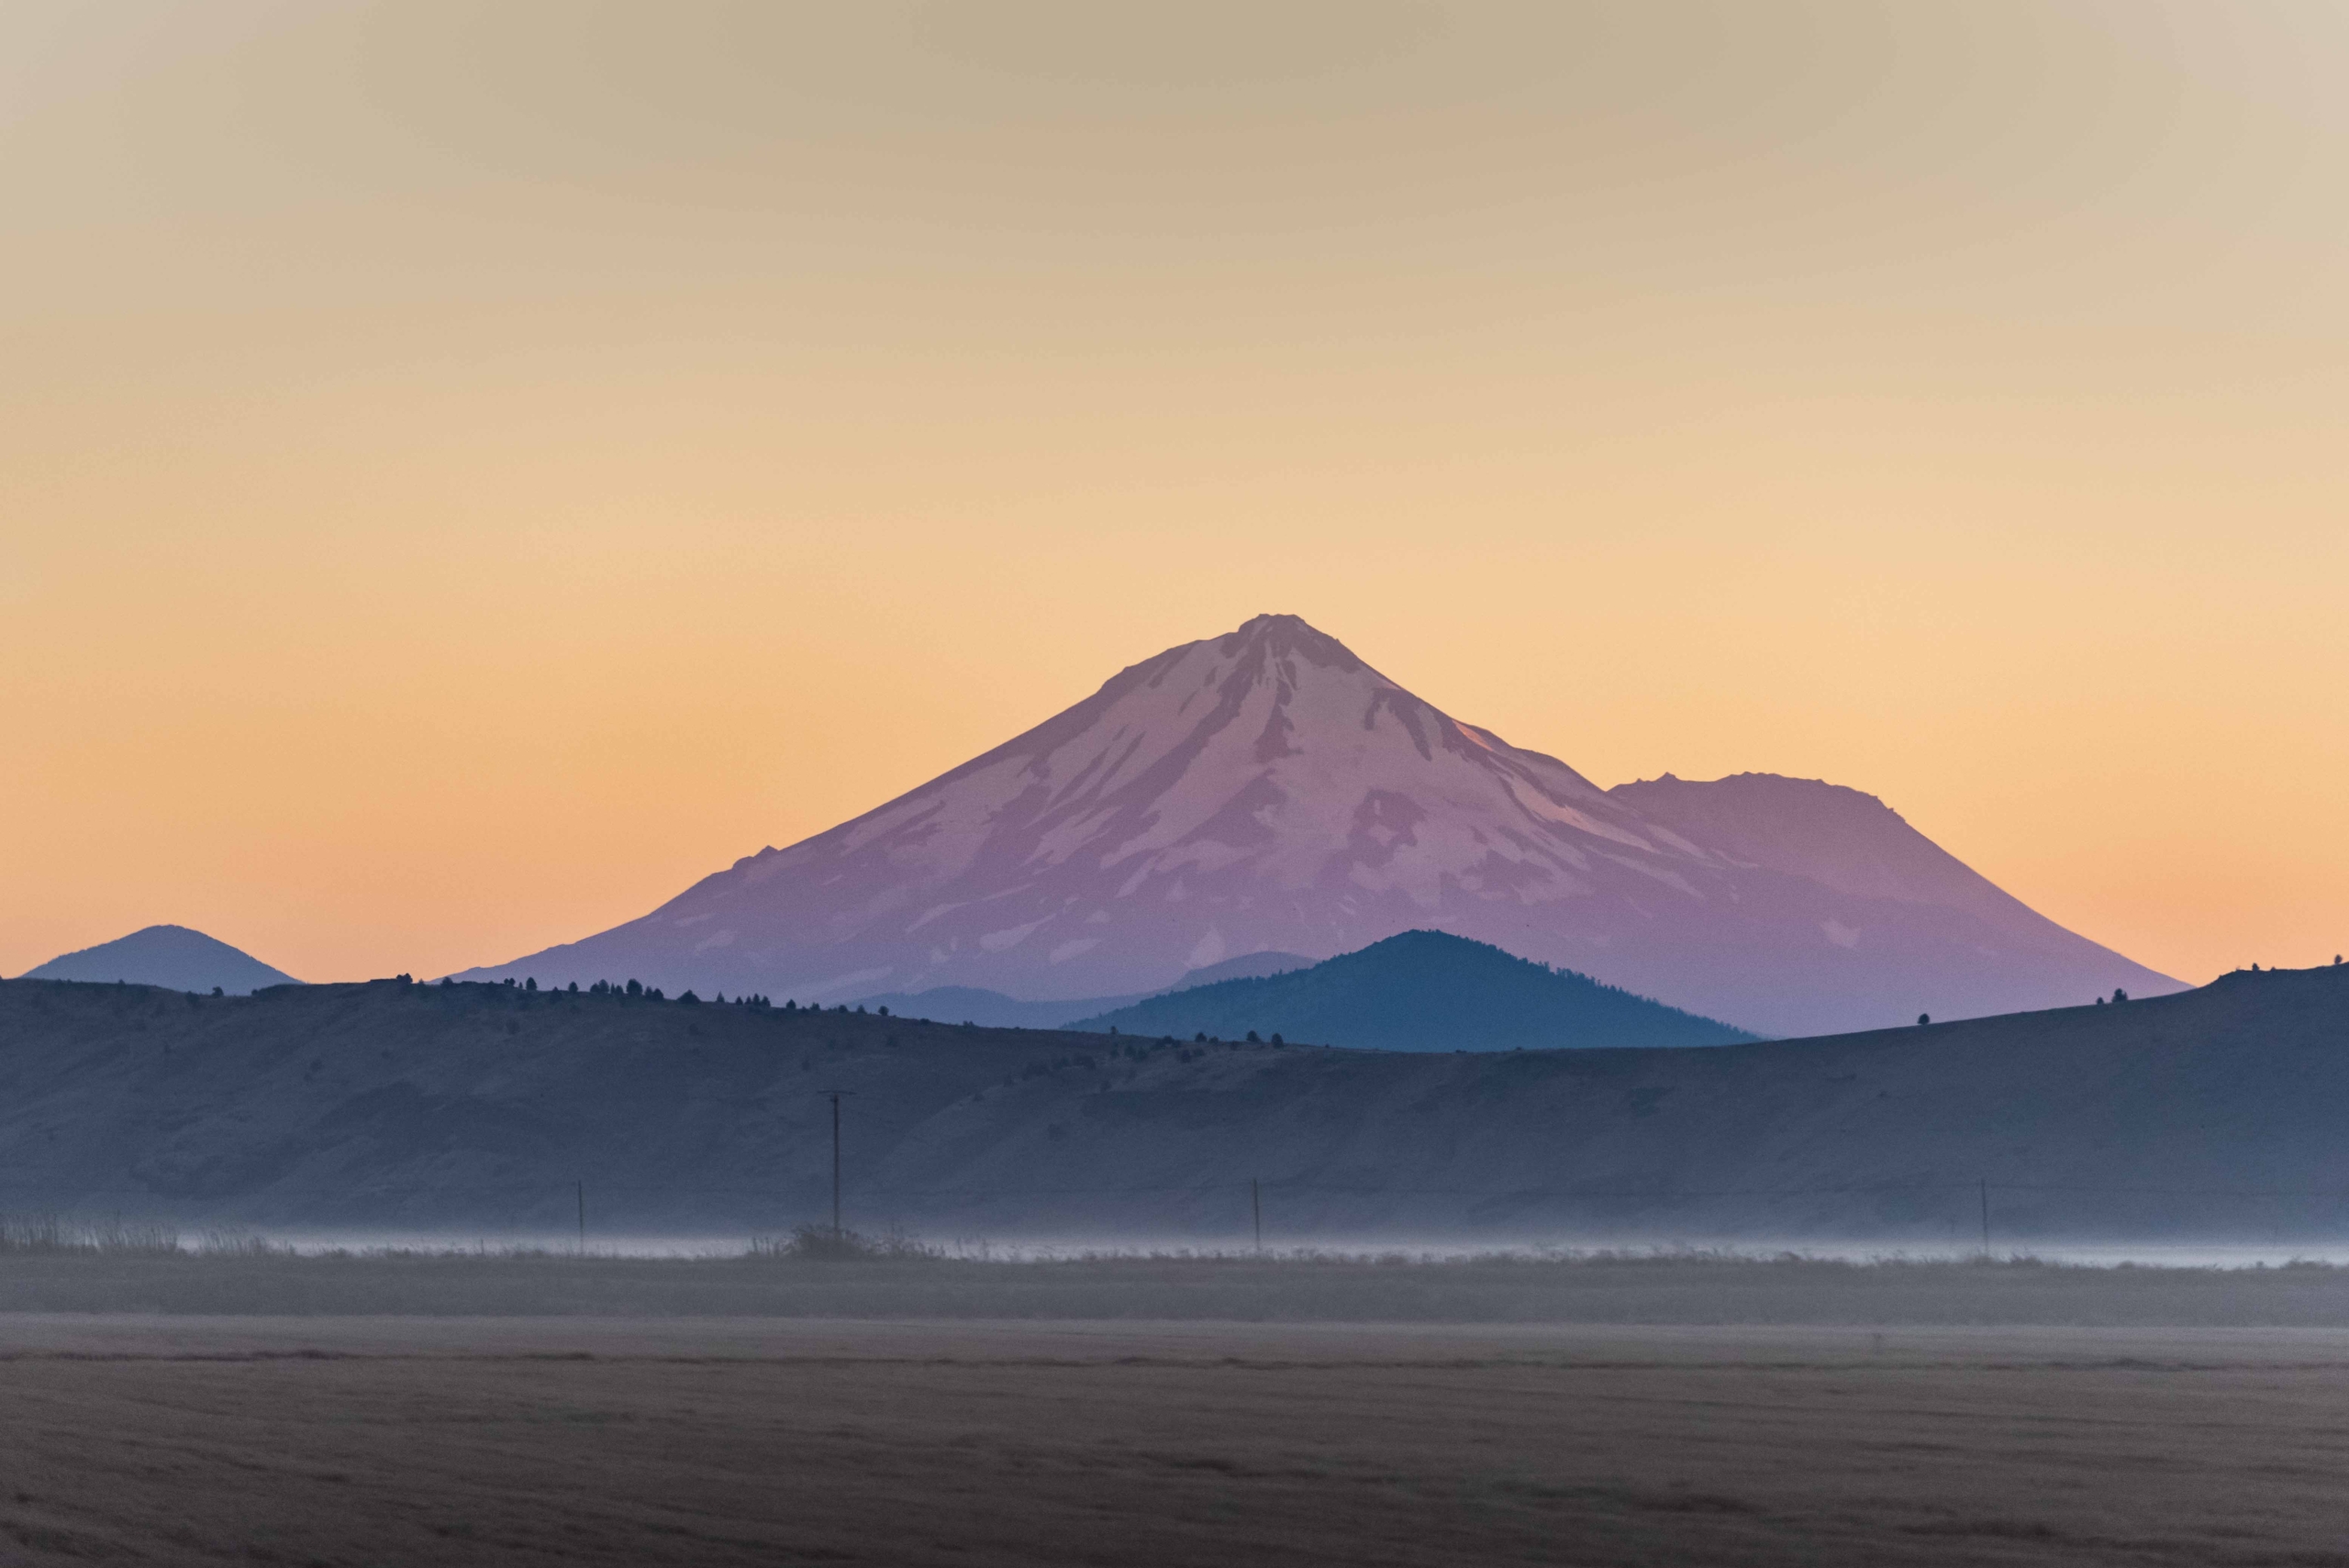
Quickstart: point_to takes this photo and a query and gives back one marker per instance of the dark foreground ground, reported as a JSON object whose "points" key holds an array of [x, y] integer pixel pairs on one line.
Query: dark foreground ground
{"points": [[724, 1440]]}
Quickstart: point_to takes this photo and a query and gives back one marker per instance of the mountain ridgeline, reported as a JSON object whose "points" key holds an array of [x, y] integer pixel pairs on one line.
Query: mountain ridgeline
{"points": [[971, 1004], [1420, 991]]}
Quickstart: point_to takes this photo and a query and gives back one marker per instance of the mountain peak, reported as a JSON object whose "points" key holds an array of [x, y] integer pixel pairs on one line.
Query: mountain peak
{"points": [[1267, 789], [1279, 636]]}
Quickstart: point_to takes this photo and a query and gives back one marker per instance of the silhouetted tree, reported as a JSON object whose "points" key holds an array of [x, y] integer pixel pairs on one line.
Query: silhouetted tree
{"points": [[1252, 1039], [689, 997], [1277, 1040], [635, 988], [1924, 1019], [2119, 994], [531, 984]]}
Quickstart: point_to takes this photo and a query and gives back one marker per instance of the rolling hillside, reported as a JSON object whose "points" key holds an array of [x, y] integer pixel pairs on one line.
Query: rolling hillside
{"points": [[473, 1110]]}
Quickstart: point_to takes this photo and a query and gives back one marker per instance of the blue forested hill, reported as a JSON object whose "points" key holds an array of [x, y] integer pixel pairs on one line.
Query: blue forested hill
{"points": [[1421, 991]]}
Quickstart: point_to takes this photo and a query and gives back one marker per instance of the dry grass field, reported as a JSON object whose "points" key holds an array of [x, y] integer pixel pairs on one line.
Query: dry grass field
{"points": [[583, 1439]]}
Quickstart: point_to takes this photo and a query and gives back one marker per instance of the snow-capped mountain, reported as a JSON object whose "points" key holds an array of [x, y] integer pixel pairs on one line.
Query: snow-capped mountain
{"points": [[1268, 790]]}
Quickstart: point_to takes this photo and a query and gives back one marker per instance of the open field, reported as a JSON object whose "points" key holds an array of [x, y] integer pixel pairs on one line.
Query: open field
{"points": [[602, 1441]]}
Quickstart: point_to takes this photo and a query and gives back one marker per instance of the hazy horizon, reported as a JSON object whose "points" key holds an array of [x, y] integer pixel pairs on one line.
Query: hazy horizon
{"points": [[474, 473]]}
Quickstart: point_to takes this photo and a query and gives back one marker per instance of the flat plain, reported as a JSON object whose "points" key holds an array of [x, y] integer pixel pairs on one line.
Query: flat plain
{"points": [[601, 1440]]}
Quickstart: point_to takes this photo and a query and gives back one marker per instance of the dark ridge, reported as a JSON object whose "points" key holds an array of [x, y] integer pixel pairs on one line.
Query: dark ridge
{"points": [[481, 1110]]}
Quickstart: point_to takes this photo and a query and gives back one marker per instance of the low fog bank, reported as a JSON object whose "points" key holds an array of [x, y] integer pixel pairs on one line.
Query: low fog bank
{"points": [[2230, 1252], [813, 1275]]}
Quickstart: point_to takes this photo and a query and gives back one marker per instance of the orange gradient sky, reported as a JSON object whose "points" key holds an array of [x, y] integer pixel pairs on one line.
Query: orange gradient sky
{"points": [[468, 470]]}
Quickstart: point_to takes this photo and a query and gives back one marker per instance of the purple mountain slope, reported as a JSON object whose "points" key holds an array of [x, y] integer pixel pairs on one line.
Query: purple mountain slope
{"points": [[1267, 790]]}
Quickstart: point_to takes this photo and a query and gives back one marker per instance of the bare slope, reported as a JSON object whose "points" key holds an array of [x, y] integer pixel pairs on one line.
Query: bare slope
{"points": [[1421, 991], [1267, 790], [2215, 1113]]}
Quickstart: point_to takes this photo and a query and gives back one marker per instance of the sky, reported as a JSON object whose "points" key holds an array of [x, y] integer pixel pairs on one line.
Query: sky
{"points": [[469, 470]]}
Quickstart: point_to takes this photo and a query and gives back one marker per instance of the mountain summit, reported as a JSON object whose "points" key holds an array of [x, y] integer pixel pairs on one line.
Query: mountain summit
{"points": [[1267, 789]]}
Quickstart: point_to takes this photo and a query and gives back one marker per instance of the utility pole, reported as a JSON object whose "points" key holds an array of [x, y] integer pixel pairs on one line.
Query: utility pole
{"points": [[1256, 1208], [836, 1095], [1985, 1216]]}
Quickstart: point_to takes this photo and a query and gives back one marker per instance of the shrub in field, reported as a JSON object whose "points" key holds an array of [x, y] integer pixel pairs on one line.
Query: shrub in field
{"points": [[821, 1241], [47, 1233]]}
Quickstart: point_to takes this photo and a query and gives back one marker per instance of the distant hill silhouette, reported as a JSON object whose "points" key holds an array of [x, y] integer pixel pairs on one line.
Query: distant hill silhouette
{"points": [[1422, 991], [993, 1009], [169, 956]]}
